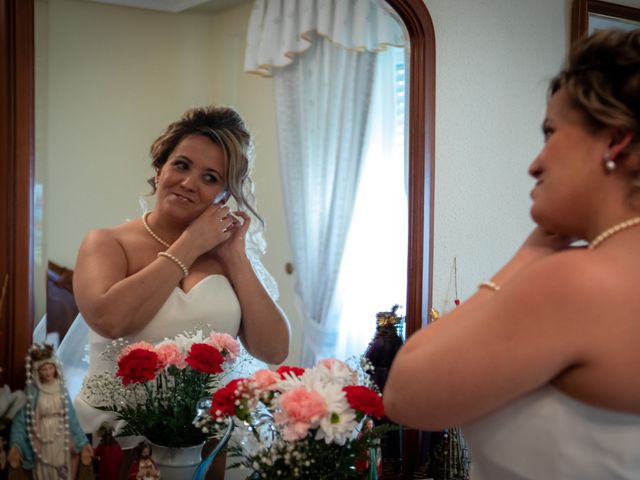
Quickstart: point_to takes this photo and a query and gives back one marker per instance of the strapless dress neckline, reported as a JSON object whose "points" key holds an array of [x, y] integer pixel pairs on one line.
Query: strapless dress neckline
{"points": [[200, 282]]}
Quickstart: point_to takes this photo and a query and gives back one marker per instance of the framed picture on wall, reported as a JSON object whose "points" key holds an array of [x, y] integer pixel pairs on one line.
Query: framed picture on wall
{"points": [[588, 16]]}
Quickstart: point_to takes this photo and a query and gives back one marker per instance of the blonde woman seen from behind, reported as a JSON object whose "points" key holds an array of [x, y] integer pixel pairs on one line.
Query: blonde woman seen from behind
{"points": [[540, 366]]}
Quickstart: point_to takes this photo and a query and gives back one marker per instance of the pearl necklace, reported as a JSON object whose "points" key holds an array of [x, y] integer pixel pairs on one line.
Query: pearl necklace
{"points": [[618, 227], [151, 232]]}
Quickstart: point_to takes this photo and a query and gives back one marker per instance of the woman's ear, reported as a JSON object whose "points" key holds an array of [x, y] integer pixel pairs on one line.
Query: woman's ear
{"points": [[619, 143]]}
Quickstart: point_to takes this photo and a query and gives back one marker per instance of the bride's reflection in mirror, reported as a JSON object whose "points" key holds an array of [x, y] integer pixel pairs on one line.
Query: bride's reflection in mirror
{"points": [[105, 89]]}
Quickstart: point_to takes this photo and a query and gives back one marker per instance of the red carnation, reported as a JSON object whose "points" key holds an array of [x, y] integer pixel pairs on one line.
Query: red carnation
{"points": [[205, 358], [295, 371], [137, 366], [364, 400], [224, 399]]}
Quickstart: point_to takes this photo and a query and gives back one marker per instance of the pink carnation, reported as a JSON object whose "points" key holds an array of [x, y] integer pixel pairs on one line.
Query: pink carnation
{"points": [[264, 379], [225, 343], [300, 408], [134, 346], [170, 354]]}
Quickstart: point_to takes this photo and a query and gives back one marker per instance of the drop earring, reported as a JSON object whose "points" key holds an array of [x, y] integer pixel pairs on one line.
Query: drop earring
{"points": [[609, 165]]}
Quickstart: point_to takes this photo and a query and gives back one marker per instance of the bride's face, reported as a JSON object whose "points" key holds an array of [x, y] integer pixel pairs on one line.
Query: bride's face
{"points": [[47, 373], [192, 178]]}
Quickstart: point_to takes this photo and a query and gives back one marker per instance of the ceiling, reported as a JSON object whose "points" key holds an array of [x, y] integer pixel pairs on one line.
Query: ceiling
{"points": [[176, 6]]}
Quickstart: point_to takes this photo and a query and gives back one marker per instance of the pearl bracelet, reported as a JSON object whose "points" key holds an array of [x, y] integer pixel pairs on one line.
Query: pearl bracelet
{"points": [[490, 285], [177, 261]]}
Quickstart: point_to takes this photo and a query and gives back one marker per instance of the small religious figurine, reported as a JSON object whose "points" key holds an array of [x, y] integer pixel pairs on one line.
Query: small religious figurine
{"points": [[381, 351], [144, 468], [108, 452], [374, 454], [46, 437]]}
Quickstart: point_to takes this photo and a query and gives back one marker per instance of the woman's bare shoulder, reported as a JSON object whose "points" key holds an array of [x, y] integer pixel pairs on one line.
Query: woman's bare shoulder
{"points": [[573, 272], [567, 289], [110, 236]]}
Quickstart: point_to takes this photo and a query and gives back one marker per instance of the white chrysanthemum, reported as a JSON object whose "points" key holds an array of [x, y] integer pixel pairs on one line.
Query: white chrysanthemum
{"points": [[338, 425], [185, 340], [289, 382], [331, 370]]}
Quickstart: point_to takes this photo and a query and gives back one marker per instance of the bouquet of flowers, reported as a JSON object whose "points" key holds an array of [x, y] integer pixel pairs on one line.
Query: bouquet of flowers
{"points": [[302, 423], [156, 388]]}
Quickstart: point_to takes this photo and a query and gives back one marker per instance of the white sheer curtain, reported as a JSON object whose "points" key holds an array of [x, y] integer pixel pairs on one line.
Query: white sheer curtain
{"points": [[321, 55], [322, 114], [373, 273]]}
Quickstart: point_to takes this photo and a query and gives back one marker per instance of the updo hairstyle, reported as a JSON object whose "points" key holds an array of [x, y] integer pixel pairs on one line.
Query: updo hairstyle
{"points": [[225, 128], [602, 80]]}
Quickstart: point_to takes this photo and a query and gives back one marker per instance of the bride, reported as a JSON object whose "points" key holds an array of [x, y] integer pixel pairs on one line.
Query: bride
{"points": [[188, 262]]}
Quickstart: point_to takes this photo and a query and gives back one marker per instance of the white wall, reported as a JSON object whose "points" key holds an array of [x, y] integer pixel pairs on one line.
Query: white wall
{"points": [[494, 59]]}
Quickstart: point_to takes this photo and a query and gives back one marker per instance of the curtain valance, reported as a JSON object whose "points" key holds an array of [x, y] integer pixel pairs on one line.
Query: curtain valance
{"points": [[281, 29]]}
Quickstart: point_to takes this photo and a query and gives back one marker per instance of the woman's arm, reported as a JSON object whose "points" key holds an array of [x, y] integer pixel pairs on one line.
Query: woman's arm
{"points": [[265, 329], [114, 304], [498, 345]]}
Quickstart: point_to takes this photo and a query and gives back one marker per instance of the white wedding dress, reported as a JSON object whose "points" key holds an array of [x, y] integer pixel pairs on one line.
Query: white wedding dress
{"points": [[212, 301], [548, 435]]}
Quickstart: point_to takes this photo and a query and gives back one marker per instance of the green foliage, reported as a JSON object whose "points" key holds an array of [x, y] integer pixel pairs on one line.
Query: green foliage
{"points": [[163, 410]]}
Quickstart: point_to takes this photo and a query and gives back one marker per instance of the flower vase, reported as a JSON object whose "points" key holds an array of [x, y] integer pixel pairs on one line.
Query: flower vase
{"points": [[176, 463]]}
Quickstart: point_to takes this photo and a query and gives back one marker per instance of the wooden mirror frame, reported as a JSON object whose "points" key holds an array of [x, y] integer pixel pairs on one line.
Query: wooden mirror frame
{"points": [[580, 10], [16, 184]]}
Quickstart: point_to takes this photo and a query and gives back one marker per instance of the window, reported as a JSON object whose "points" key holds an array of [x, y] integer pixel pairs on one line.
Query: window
{"points": [[373, 274]]}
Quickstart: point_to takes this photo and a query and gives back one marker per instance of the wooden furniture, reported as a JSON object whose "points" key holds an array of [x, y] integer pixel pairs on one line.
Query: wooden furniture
{"points": [[61, 305]]}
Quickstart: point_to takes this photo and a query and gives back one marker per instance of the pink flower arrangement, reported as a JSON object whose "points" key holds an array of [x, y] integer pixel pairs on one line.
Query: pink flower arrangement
{"points": [[156, 388], [323, 406]]}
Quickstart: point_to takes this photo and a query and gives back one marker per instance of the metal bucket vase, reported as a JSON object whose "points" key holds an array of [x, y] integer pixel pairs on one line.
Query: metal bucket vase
{"points": [[176, 463]]}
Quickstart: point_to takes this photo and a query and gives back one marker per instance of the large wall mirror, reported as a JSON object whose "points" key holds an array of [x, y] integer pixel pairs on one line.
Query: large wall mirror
{"points": [[19, 136], [25, 130]]}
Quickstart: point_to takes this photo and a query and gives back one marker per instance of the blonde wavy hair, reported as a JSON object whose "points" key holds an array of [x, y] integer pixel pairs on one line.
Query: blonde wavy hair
{"points": [[602, 80], [225, 128]]}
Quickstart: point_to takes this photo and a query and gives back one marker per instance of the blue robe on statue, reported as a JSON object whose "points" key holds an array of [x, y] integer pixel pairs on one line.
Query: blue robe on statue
{"points": [[20, 437]]}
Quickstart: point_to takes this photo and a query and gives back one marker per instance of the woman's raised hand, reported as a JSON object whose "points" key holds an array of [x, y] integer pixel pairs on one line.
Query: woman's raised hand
{"points": [[234, 246], [211, 228], [541, 243], [538, 245]]}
